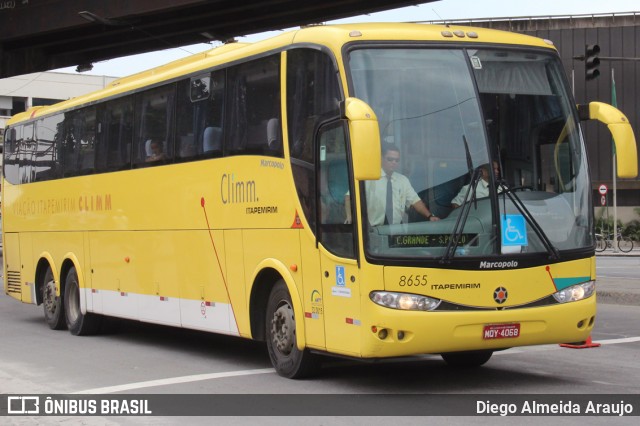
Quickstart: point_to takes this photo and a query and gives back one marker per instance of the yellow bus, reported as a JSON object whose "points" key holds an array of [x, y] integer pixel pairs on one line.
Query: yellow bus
{"points": [[237, 191]]}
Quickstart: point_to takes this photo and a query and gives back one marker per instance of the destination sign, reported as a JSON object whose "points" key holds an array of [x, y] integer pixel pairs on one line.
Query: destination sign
{"points": [[429, 240]]}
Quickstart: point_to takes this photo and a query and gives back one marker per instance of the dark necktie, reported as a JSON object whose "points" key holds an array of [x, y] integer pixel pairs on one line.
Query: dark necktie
{"points": [[388, 211]]}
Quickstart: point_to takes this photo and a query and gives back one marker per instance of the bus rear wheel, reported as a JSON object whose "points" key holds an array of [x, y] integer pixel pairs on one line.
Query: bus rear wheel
{"points": [[287, 359], [52, 303], [79, 324], [467, 359]]}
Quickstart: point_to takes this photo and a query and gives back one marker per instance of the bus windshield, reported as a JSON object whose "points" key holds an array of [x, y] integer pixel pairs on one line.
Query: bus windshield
{"points": [[481, 149]]}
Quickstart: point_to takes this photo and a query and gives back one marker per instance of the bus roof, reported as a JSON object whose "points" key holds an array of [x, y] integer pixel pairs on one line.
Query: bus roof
{"points": [[333, 36]]}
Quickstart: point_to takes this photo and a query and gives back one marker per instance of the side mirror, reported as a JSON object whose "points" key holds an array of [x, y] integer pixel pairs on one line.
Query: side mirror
{"points": [[365, 139], [623, 137]]}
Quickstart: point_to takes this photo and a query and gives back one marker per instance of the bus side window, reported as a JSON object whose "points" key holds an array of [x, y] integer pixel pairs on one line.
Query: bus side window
{"points": [[200, 102], [49, 131], [254, 107], [78, 142], [26, 148], [115, 135], [10, 164], [191, 113], [154, 126], [87, 158]]}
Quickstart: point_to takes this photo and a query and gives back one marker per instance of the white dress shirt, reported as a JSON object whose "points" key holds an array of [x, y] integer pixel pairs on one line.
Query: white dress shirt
{"points": [[376, 192], [482, 191]]}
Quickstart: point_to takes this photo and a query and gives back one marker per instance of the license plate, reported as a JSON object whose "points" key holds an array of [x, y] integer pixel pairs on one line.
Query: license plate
{"points": [[501, 331]]}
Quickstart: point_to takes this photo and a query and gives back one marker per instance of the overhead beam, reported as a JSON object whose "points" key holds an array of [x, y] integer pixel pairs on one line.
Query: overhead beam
{"points": [[39, 36]]}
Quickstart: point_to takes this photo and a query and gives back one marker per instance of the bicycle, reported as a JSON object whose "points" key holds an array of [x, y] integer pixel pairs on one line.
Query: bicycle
{"points": [[604, 241]]}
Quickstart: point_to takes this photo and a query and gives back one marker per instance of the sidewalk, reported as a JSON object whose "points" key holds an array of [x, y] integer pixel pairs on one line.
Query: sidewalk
{"points": [[609, 252], [620, 291]]}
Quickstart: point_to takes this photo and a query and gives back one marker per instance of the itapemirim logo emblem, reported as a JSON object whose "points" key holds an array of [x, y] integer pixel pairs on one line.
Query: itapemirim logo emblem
{"points": [[500, 295]]}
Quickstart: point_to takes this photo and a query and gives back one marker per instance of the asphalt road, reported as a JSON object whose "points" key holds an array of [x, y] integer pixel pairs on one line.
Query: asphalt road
{"points": [[627, 267], [146, 359]]}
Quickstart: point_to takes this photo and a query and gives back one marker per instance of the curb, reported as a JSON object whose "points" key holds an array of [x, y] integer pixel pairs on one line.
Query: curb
{"points": [[618, 298], [619, 254]]}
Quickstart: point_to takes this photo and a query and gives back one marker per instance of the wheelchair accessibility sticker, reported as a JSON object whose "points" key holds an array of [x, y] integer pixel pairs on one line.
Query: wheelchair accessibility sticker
{"points": [[514, 230], [340, 276], [340, 289]]}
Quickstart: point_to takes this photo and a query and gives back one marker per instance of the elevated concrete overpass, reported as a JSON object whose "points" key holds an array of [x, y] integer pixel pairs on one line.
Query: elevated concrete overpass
{"points": [[37, 35]]}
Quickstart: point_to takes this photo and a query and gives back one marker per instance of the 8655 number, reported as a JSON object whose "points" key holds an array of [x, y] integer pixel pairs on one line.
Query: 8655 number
{"points": [[413, 280]]}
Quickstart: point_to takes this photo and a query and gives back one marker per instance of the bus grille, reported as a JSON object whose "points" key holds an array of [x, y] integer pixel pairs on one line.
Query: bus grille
{"points": [[13, 282]]}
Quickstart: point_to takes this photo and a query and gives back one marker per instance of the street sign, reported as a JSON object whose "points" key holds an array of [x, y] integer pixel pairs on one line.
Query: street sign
{"points": [[603, 200], [602, 189]]}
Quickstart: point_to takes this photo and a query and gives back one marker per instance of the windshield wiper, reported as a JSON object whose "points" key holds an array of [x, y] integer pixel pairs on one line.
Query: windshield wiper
{"points": [[458, 228], [554, 253]]}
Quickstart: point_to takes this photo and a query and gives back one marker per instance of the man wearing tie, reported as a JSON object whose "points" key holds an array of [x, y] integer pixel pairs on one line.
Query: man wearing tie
{"points": [[389, 197]]}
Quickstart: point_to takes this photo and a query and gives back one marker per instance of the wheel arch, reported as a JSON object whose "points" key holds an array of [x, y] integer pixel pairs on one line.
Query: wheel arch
{"points": [[71, 261], [45, 261], [265, 276]]}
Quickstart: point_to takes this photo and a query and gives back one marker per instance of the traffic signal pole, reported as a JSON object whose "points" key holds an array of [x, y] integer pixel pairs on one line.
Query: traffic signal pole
{"points": [[592, 60], [614, 102]]}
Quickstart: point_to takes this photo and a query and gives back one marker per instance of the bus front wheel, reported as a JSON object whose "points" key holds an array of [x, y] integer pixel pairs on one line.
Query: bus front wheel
{"points": [[79, 324], [287, 359], [468, 359], [52, 303]]}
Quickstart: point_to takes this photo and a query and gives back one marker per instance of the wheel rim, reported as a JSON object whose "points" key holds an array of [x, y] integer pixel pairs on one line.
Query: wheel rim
{"points": [[49, 298], [283, 329], [73, 310]]}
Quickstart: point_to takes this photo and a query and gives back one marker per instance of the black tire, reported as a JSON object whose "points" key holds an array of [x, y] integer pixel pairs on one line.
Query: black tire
{"points": [[468, 359], [601, 243], [79, 324], [625, 244], [287, 359], [53, 306]]}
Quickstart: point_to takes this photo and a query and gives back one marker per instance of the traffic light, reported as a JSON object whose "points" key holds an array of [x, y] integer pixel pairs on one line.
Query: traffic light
{"points": [[591, 61]]}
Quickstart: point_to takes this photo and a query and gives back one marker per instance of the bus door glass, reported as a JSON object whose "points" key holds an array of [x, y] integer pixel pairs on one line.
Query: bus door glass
{"points": [[319, 164], [336, 241]]}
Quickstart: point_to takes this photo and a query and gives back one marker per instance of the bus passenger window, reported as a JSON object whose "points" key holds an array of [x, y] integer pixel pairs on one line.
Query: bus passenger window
{"points": [[254, 107], [199, 132], [154, 126], [10, 151], [25, 153], [115, 135], [48, 134]]}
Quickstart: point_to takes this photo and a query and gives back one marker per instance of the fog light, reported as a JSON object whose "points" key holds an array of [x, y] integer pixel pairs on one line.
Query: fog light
{"points": [[382, 334], [400, 335]]}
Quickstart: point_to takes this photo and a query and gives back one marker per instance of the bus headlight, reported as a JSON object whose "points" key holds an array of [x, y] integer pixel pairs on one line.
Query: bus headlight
{"points": [[404, 301], [575, 292]]}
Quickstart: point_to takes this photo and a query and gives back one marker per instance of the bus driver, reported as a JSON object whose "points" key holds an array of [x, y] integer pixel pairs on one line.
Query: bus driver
{"points": [[389, 197]]}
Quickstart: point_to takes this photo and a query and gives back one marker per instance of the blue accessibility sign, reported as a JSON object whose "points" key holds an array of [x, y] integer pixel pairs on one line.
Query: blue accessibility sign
{"points": [[340, 276], [514, 230]]}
